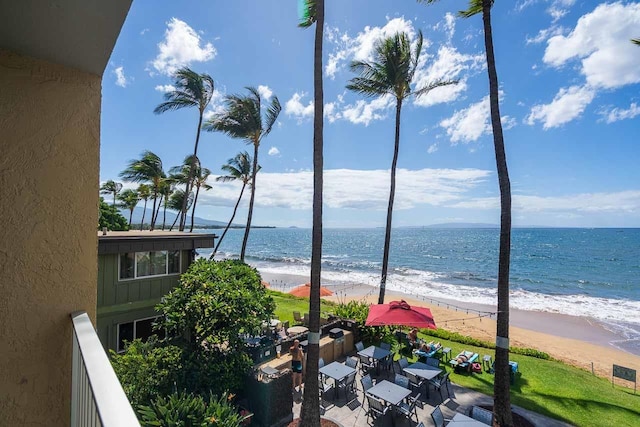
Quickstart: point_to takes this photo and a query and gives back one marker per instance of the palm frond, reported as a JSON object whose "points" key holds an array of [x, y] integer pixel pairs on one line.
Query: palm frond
{"points": [[272, 115], [306, 13], [368, 87], [174, 105], [433, 85], [475, 8], [635, 41]]}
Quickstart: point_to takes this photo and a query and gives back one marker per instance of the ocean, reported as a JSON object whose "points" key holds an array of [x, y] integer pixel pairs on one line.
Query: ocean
{"points": [[593, 273]]}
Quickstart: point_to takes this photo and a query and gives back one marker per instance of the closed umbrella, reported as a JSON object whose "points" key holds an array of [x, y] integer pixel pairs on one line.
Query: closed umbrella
{"points": [[400, 313]]}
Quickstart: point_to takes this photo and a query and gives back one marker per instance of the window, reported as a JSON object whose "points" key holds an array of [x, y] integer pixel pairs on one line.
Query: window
{"points": [[145, 264], [142, 329]]}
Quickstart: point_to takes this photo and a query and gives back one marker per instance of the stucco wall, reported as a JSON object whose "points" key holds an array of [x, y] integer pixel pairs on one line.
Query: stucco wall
{"points": [[49, 161]]}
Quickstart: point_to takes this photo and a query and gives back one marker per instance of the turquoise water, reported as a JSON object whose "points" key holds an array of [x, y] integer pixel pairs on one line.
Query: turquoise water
{"points": [[582, 272]]}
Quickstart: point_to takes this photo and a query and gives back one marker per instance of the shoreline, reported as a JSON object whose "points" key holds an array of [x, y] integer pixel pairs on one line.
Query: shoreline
{"points": [[578, 341]]}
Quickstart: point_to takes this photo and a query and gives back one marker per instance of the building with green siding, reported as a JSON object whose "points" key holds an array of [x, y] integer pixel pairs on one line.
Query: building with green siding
{"points": [[135, 269]]}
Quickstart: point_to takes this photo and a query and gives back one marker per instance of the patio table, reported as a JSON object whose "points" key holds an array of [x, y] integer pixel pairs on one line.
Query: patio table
{"points": [[337, 371], [389, 392], [424, 371], [463, 420], [375, 353]]}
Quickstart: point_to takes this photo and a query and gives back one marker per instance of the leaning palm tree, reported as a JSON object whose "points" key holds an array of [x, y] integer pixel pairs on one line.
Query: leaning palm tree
{"points": [[144, 192], [391, 74], [167, 187], [176, 202], [192, 90], [237, 168], [129, 200], [310, 412], [111, 187], [147, 169], [501, 397], [199, 181], [242, 119]]}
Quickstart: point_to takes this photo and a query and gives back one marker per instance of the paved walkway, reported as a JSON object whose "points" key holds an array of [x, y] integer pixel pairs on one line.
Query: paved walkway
{"points": [[349, 411]]}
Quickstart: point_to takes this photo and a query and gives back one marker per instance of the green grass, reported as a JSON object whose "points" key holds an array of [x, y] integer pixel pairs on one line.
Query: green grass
{"points": [[547, 387]]}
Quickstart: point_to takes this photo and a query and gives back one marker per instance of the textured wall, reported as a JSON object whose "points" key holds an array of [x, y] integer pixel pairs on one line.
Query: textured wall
{"points": [[49, 164]]}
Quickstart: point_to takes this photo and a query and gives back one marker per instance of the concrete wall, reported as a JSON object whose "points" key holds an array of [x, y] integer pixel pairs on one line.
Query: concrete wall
{"points": [[49, 164]]}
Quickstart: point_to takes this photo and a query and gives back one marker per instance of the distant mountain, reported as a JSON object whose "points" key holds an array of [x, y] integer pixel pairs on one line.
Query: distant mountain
{"points": [[171, 216]]}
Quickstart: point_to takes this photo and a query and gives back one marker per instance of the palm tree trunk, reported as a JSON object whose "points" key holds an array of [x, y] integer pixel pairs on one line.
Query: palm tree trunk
{"points": [[153, 210], [157, 212], [114, 198], [144, 212], [193, 210], [310, 411], [164, 214], [501, 398], [191, 174], [131, 215], [253, 195], [244, 184], [174, 222], [392, 195]]}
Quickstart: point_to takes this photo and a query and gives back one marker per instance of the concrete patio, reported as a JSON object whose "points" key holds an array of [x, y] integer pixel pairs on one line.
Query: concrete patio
{"points": [[352, 410]]}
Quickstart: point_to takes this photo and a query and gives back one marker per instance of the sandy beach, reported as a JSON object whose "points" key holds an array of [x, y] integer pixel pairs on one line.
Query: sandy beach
{"points": [[575, 340]]}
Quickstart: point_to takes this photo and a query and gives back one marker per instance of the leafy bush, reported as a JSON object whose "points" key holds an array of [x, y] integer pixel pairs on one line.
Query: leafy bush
{"points": [[187, 410], [110, 217], [358, 311]]}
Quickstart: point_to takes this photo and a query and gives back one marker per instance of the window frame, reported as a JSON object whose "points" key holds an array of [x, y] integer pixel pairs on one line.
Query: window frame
{"points": [[135, 321], [135, 265]]}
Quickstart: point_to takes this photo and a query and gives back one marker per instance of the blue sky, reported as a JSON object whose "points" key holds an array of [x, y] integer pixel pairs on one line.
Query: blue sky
{"points": [[569, 80]]}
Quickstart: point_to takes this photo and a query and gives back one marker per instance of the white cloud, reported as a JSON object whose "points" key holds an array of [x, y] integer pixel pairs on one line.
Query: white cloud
{"points": [[265, 92], [471, 123], [294, 107], [180, 47], [331, 111], [616, 114], [273, 151], [432, 148], [355, 189], [545, 34], [568, 104], [165, 88], [144, 31], [601, 41], [557, 8], [363, 112], [121, 79], [216, 105]]}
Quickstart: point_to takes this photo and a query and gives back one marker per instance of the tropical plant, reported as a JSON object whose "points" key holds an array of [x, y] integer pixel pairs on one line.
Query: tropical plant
{"points": [[147, 169], [313, 12], [191, 90], [144, 192], [177, 201], [199, 181], [237, 168], [391, 74], [188, 410], [110, 218], [111, 187], [501, 396], [242, 119], [129, 200]]}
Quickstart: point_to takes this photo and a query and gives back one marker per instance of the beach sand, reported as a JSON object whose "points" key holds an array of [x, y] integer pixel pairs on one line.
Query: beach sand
{"points": [[575, 340]]}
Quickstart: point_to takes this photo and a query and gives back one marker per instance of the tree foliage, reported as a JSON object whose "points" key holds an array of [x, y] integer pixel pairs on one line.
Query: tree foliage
{"points": [[111, 218]]}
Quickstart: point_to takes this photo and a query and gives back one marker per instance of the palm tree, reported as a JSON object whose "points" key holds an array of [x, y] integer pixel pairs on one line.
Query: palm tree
{"points": [[199, 181], [166, 188], [391, 73], [192, 90], [237, 168], [144, 192], [129, 199], [310, 411], [635, 41], [501, 397], [177, 201], [111, 187], [147, 169], [242, 119]]}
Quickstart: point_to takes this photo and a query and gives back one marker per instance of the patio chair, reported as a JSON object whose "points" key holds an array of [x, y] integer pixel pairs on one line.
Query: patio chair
{"points": [[365, 364], [387, 362], [366, 382], [415, 382], [297, 318], [359, 346], [439, 383], [377, 408], [385, 346], [432, 361], [348, 385], [320, 365], [482, 415], [305, 319], [408, 407], [438, 417], [403, 362], [402, 381], [470, 357], [324, 389], [351, 362]]}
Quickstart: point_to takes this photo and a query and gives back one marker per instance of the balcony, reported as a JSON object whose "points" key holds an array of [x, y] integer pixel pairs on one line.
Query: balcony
{"points": [[97, 398]]}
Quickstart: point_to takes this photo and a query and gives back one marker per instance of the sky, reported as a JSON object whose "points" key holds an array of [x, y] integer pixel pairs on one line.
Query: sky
{"points": [[569, 101]]}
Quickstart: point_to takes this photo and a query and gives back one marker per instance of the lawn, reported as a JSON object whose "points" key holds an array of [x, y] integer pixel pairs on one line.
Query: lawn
{"points": [[547, 387]]}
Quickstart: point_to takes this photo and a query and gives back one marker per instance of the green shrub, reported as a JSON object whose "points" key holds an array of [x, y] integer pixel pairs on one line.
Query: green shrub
{"points": [[188, 410], [358, 311]]}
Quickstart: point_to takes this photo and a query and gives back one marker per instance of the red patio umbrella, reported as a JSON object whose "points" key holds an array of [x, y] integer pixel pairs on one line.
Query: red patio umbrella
{"points": [[400, 313], [305, 291]]}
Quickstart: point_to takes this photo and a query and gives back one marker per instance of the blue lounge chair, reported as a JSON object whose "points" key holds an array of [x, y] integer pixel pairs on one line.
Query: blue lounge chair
{"points": [[469, 355]]}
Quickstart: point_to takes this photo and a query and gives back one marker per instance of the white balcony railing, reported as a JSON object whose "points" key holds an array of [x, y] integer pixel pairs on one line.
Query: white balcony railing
{"points": [[97, 398]]}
